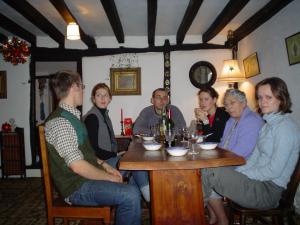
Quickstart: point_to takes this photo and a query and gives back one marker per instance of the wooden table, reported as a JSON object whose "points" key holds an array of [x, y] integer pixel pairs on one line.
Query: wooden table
{"points": [[175, 182]]}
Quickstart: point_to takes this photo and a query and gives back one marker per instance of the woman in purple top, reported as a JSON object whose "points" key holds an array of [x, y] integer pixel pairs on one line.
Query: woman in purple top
{"points": [[242, 128], [240, 135]]}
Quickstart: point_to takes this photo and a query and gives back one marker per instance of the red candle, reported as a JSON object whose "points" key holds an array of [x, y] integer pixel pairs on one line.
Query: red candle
{"points": [[121, 115]]}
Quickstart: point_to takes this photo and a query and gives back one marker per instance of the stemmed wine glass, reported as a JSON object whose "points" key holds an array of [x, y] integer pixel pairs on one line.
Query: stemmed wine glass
{"points": [[169, 134], [192, 138]]}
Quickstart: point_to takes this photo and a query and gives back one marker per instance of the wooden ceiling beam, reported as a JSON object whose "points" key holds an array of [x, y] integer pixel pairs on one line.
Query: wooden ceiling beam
{"points": [[14, 28], [189, 16], [152, 13], [36, 18], [53, 54], [232, 8], [65, 13], [114, 19], [2, 37], [259, 18]]}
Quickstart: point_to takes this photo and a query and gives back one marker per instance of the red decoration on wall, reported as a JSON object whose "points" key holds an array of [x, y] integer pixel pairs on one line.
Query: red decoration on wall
{"points": [[15, 51]]}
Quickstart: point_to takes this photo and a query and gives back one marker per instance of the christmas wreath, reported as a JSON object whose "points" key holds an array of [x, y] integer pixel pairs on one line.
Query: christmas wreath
{"points": [[14, 51]]}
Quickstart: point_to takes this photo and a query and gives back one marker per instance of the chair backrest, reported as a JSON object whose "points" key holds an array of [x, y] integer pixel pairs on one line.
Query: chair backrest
{"points": [[288, 195], [45, 165]]}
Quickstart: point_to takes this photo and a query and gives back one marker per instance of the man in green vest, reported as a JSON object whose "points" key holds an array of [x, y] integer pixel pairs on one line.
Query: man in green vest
{"points": [[82, 178]]}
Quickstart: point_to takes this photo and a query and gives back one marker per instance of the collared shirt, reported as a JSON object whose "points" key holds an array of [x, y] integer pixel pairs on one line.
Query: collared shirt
{"points": [[61, 134]]}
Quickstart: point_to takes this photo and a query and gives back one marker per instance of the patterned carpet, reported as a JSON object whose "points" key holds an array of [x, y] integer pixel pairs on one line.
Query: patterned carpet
{"points": [[22, 203]]}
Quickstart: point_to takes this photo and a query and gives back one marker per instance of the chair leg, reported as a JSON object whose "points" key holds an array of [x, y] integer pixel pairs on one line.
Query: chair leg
{"points": [[231, 217], [243, 219], [50, 220], [290, 217]]}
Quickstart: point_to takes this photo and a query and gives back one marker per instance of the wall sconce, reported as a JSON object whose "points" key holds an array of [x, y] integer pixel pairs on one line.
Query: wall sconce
{"points": [[73, 31], [231, 73]]}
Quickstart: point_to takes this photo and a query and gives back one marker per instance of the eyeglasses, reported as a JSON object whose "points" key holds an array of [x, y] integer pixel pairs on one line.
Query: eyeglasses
{"points": [[165, 98]]}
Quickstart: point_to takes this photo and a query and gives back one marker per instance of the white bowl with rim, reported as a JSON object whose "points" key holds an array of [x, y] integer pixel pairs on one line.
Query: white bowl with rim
{"points": [[152, 146], [177, 150], [148, 138], [208, 145]]}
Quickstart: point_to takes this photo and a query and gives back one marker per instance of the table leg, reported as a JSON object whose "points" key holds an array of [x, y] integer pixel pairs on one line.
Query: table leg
{"points": [[176, 197]]}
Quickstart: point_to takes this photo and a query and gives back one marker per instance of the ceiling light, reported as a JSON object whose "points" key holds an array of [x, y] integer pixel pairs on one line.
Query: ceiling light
{"points": [[73, 31]]}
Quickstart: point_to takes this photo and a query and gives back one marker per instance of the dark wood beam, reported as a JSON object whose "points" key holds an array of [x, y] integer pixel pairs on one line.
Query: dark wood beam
{"points": [[114, 19], [187, 20], [232, 8], [56, 54], [36, 18], [66, 14], [2, 36], [260, 18], [152, 13], [14, 28]]}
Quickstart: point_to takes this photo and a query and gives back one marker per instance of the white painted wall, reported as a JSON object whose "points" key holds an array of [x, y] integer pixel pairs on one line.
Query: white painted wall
{"points": [[17, 103], [269, 43], [183, 93]]}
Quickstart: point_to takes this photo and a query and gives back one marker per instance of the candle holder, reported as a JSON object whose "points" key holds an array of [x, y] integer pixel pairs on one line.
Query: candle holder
{"points": [[122, 127]]}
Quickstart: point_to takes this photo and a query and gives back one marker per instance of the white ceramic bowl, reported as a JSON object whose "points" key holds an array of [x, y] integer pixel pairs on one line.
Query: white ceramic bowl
{"points": [[208, 145], [152, 146], [177, 151], [148, 138]]}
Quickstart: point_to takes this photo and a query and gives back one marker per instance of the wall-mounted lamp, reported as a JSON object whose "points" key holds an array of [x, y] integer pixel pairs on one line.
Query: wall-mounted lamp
{"points": [[231, 73], [73, 31]]}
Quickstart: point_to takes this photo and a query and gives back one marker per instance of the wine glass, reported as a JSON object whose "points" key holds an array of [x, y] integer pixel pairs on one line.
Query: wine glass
{"points": [[193, 137], [169, 134]]}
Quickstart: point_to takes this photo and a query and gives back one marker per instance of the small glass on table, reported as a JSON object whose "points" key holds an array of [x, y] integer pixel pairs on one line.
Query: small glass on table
{"points": [[170, 134], [192, 138]]}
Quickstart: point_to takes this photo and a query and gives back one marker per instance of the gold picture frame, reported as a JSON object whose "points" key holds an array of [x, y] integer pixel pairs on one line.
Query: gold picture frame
{"points": [[251, 65], [3, 84], [293, 48], [125, 81]]}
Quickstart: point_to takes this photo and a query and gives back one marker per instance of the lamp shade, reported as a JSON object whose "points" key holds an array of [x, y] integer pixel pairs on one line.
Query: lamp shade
{"points": [[231, 72], [73, 31]]}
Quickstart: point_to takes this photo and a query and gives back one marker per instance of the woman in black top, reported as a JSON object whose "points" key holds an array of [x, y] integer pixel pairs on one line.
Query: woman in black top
{"points": [[102, 136], [212, 118]]}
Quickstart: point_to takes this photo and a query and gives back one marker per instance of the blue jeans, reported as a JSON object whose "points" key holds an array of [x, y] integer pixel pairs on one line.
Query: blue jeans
{"points": [[125, 197]]}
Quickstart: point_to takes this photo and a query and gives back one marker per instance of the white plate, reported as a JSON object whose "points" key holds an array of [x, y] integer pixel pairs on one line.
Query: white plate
{"points": [[177, 151]]}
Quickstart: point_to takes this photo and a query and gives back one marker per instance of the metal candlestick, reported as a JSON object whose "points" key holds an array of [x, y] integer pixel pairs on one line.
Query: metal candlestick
{"points": [[122, 128]]}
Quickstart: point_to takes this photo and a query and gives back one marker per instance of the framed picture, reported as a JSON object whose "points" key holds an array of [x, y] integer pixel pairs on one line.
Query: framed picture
{"points": [[293, 48], [251, 65], [125, 81], [3, 85]]}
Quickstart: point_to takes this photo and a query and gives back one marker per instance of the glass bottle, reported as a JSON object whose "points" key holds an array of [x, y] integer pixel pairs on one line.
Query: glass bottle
{"points": [[162, 125]]}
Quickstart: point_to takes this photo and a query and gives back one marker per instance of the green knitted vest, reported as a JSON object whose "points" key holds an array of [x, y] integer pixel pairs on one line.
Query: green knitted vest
{"points": [[65, 180]]}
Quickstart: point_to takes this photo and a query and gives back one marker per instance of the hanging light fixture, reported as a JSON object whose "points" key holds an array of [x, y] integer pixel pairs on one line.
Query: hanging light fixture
{"points": [[73, 31]]}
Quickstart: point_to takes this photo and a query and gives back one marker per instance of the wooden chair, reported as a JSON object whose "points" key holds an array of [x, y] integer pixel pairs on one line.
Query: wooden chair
{"points": [[285, 208], [56, 206]]}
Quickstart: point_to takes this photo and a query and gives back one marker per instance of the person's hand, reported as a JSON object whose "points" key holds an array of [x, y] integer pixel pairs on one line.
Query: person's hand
{"points": [[115, 178], [112, 171], [200, 114]]}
